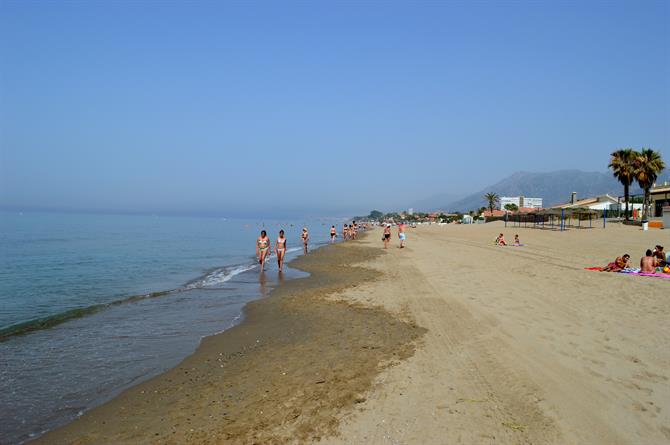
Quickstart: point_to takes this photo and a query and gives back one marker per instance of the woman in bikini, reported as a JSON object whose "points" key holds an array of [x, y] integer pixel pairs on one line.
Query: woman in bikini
{"points": [[345, 232], [280, 249], [305, 238], [387, 236], [333, 234], [262, 248]]}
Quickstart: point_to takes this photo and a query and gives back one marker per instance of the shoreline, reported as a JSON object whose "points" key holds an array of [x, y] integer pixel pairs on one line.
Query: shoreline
{"points": [[290, 346]]}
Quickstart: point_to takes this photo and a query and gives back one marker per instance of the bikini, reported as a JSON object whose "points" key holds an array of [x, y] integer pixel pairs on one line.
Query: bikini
{"points": [[264, 243], [282, 243]]}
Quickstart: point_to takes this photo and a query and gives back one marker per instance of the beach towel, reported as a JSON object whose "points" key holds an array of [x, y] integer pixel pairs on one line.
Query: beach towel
{"points": [[633, 271], [658, 275]]}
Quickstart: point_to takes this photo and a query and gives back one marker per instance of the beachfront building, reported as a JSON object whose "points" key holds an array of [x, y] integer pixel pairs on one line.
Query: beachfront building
{"points": [[660, 197], [521, 202], [602, 202]]}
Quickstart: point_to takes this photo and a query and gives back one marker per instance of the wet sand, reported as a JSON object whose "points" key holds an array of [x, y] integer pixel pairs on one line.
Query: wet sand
{"points": [[288, 372], [451, 340]]}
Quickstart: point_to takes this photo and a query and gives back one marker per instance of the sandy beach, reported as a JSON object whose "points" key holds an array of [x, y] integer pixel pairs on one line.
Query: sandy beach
{"points": [[451, 340]]}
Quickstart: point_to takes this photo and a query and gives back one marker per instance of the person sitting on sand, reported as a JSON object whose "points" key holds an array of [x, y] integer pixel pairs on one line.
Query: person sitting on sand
{"points": [[500, 241], [517, 242], [620, 263], [280, 249], [648, 262], [262, 248], [659, 254]]}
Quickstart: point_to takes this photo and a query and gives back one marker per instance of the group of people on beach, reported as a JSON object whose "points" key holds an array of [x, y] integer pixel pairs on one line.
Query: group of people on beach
{"points": [[349, 232], [263, 250], [654, 260], [500, 240], [263, 243]]}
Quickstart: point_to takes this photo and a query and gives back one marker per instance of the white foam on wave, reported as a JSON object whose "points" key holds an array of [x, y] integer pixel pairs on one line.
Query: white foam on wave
{"points": [[220, 276]]}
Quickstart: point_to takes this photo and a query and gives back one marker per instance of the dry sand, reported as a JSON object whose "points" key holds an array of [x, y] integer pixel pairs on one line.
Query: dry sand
{"points": [[451, 340], [523, 345]]}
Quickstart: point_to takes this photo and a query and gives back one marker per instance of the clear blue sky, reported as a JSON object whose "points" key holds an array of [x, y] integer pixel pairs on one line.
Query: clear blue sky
{"points": [[317, 107]]}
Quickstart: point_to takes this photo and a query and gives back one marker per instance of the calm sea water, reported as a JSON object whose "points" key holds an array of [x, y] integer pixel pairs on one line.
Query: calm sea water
{"points": [[92, 304]]}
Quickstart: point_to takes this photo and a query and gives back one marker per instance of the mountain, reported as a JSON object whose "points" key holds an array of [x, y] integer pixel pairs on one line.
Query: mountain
{"points": [[554, 187]]}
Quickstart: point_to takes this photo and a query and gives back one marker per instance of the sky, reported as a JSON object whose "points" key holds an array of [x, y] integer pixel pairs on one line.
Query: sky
{"points": [[317, 108]]}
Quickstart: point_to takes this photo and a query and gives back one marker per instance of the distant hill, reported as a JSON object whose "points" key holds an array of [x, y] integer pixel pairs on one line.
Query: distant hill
{"points": [[554, 187]]}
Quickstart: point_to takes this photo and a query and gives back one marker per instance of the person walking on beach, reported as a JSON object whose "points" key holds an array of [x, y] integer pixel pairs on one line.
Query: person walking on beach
{"points": [[387, 236], [262, 248], [345, 232], [280, 249], [333, 234], [401, 234], [305, 238]]}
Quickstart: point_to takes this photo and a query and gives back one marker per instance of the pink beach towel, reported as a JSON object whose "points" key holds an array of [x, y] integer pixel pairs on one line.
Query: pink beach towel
{"points": [[658, 275], [630, 272]]}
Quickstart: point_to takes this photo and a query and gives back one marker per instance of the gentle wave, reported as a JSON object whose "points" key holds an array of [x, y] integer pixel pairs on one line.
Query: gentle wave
{"points": [[212, 278], [219, 276]]}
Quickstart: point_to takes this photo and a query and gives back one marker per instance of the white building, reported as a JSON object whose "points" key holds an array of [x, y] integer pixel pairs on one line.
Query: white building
{"points": [[521, 201], [602, 202], [410, 211]]}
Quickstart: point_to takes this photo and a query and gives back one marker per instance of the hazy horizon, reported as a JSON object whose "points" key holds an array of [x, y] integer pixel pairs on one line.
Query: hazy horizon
{"points": [[240, 110]]}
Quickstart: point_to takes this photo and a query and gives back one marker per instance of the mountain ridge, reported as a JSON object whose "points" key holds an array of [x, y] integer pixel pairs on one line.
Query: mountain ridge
{"points": [[553, 187]]}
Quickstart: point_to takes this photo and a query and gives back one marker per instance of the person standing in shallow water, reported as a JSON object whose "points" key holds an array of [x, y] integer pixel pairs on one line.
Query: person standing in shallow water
{"points": [[280, 249], [262, 248], [305, 238], [333, 234]]}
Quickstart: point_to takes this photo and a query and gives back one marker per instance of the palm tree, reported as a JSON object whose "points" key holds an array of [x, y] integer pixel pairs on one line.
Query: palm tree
{"points": [[623, 167], [492, 199], [648, 164]]}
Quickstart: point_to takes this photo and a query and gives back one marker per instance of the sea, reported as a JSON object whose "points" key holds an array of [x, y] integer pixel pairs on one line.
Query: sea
{"points": [[91, 304]]}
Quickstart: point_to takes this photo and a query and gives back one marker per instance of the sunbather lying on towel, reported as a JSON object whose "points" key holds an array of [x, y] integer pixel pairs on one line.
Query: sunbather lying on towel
{"points": [[619, 264]]}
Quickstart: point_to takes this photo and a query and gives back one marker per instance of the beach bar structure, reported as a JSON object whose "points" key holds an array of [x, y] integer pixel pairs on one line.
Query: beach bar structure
{"points": [[558, 219]]}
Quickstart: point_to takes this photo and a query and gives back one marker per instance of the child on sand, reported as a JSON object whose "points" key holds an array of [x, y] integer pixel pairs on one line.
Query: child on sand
{"points": [[516, 240], [500, 241]]}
